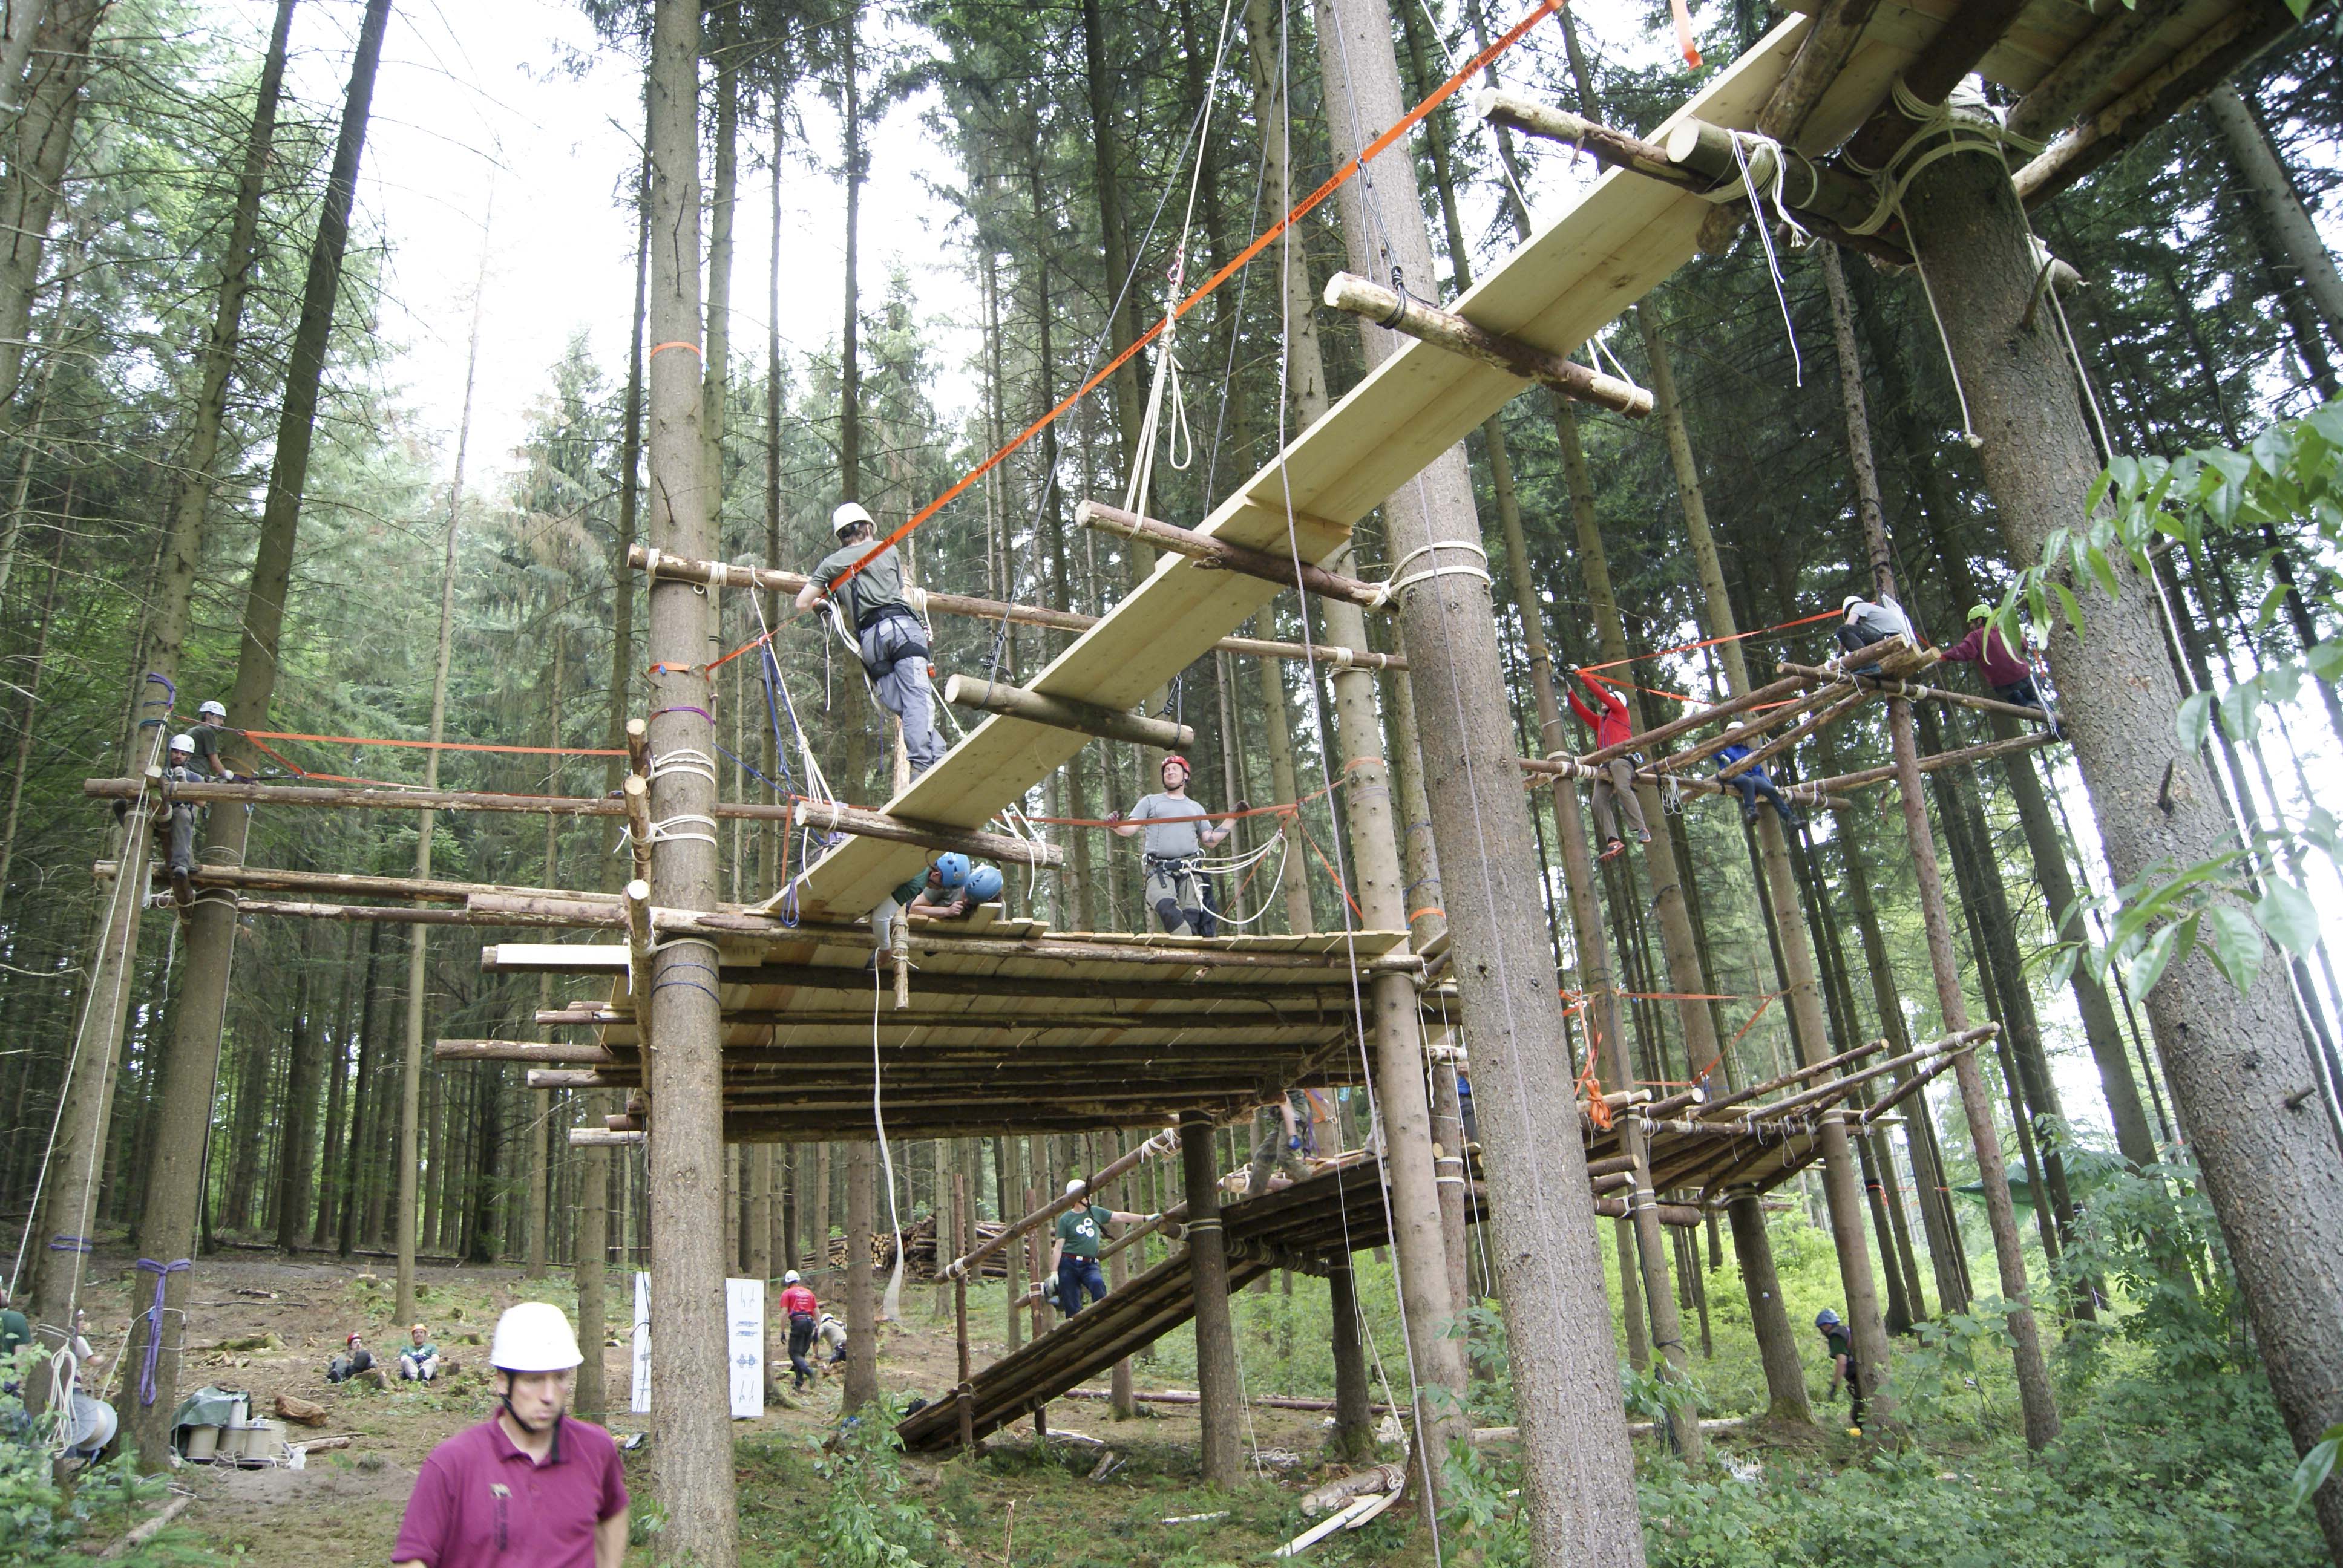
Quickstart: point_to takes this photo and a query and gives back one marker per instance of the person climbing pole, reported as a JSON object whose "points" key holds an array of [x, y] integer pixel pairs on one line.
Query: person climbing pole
{"points": [[1616, 781], [799, 1307], [2006, 670], [1075, 1254], [893, 642], [1840, 1343], [1867, 621], [1178, 834], [1281, 1144], [175, 824], [1754, 781]]}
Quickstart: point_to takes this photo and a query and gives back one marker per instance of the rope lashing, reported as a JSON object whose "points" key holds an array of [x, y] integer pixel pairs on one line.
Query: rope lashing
{"points": [[1402, 580], [153, 1316], [679, 343]]}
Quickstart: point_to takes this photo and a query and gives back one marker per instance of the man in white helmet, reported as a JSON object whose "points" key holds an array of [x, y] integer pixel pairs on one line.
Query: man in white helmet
{"points": [[211, 725], [894, 643], [530, 1485], [176, 820], [1868, 621], [1074, 1253]]}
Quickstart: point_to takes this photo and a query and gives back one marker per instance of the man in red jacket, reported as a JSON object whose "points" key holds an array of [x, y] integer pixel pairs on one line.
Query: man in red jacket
{"points": [[1617, 779], [797, 1305], [2006, 670]]}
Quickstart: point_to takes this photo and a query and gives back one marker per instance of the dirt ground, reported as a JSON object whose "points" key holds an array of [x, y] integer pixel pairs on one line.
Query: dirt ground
{"points": [[345, 1506]]}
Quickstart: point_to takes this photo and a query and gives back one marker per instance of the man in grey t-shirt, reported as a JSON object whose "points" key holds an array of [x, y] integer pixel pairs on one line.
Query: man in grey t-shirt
{"points": [[893, 643], [1867, 623], [1177, 837]]}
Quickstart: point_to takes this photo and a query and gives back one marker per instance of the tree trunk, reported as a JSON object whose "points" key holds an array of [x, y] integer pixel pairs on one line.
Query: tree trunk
{"points": [[166, 1230], [39, 144], [1564, 1361], [849, 357], [1220, 1407], [2285, 221], [723, 201], [25, 17], [32, 687], [296, 1150], [693, 1462], [861, 1286]]}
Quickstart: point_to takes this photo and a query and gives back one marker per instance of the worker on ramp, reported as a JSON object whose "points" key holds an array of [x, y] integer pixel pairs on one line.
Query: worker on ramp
{"points": [[1614, 786], [1075, 1254], [938, 893], [531, 1483], [1178, 834], [1754, 781], [892, 641], [2006, 670]]}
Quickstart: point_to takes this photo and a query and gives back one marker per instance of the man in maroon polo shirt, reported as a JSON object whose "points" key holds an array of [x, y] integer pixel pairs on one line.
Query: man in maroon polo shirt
{"points": [[530, 1488]]}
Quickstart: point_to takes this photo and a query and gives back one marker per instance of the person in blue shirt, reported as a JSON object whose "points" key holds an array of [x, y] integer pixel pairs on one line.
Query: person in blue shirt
{"points": [[1754, 781]]}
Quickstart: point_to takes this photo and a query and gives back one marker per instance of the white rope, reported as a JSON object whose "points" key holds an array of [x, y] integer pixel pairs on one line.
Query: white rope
{"points": [[892, 1303], [664, 831], [1769, 153], [683, 759], [1401, 580]]}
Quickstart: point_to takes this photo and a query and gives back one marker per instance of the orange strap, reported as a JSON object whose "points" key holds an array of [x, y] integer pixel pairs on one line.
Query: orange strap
{"points": [[1684, 45]]}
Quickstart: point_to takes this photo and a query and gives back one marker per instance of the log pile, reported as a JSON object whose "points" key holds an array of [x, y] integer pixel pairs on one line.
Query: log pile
{"points": [[920, 1265]]}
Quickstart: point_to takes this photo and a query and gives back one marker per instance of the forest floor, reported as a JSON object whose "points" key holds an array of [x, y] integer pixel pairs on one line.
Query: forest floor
{"points": [[345, 1504]]}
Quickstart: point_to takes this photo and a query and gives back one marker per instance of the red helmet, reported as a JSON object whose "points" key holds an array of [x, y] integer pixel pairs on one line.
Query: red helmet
{"points": [[351, 1340], [1183, 761]]}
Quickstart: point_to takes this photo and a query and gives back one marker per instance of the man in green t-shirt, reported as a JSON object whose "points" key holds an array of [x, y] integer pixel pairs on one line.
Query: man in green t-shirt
{"points": [[16, 1328], [1839, 1340], [893, 644], [1074, 1256], [938, 893]]}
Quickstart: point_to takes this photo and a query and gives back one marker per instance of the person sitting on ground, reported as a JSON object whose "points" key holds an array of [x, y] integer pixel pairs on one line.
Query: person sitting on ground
{"points": [[2005, 669], [1840, 1343], [532, 1485], [418, 1362], [1754, 781], [211, 729], [1616, 781], [1178, 834], [830, 1335], [354, 1360], [1283, 1142], [799, 1307], [894, 643], [1868, 622], [176, 820], [1075, 1254]]}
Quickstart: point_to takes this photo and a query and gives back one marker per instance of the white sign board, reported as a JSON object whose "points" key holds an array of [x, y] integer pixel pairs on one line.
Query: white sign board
{"points": [[744, 1319], [641, 1402]]}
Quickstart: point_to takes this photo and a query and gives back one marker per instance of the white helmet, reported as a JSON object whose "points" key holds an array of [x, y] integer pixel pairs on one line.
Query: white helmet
{"points": [[214, 709], [182, 743], [1732, 723], [1850, 601], [534, 1337], [789, 1278], [1075, 1185], [849, 514]]}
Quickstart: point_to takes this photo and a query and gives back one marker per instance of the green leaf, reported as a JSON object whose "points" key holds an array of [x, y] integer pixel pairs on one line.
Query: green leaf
{"points": [[2061, 968], [2328, 417], [2194, 722], [2273, 449], [2148, 967], [2319, 1462], [2326, 658], [2234, 467], [2073, 610], [2241, 709], [2236, 943], [2285, 912]]}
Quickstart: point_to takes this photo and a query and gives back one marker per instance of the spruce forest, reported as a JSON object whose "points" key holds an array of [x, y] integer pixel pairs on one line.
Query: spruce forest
{"points": [[1543, 1147]]}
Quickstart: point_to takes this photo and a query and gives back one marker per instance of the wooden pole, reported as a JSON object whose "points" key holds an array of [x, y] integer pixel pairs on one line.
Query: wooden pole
{"points": [[1445, 330], [1220, 1409], [1227, 556], [1067, 713]]}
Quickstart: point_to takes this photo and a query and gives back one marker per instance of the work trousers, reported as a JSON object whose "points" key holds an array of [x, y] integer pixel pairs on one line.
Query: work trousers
{"points": [[800, 1347], [1853, 639], [1076, 1275], [1269, 1152], [901, 681], [1175, 892], [1618, 782], [176, 828], [1755, 782]]}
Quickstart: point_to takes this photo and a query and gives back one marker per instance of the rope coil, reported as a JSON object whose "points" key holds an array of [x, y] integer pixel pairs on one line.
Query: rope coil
{"points": [[1402, 580]]}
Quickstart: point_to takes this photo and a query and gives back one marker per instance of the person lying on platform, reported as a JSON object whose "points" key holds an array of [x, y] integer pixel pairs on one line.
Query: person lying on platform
{"points": [[894, 643], [355, 1360], [938, 893], [1282, 1140], [176, 822], [1754, 781], [1614, 786], [1840, 1343], [799, 1307], [2005, 669], [1868, 622], [1074, 1256], [418, 1361], [1173, 852]]}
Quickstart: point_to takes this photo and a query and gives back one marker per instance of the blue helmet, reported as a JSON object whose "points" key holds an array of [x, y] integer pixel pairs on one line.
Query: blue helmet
{"points": [[984, 884], [951, 869], [1827, 1319]]}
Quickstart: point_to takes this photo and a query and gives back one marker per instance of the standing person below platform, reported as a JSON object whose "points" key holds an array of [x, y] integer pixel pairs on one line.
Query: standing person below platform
{"points": [[1283, 1142], [2004, 669], [1868, 622], [1614, 786], [799, 1306], [894, 643], [1838, 1339], [1178, 834], [530, 1485], [1074, 1256], [1754, 781]]}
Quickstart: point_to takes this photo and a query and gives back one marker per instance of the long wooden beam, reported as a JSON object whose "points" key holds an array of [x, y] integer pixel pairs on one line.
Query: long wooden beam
{"points": [[1211, 552], [720, 574], [1571, 768], [1427, 323], [597, 1016], [556, 1052], [1960, 758], [987, 695], [2073, 85], [849, 820], [1812, 674]]}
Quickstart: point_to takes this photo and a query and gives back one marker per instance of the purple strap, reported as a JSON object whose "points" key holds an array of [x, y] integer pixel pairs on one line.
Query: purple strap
{"points": [[153, 1316], [683, 707], [72, 1244]]}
